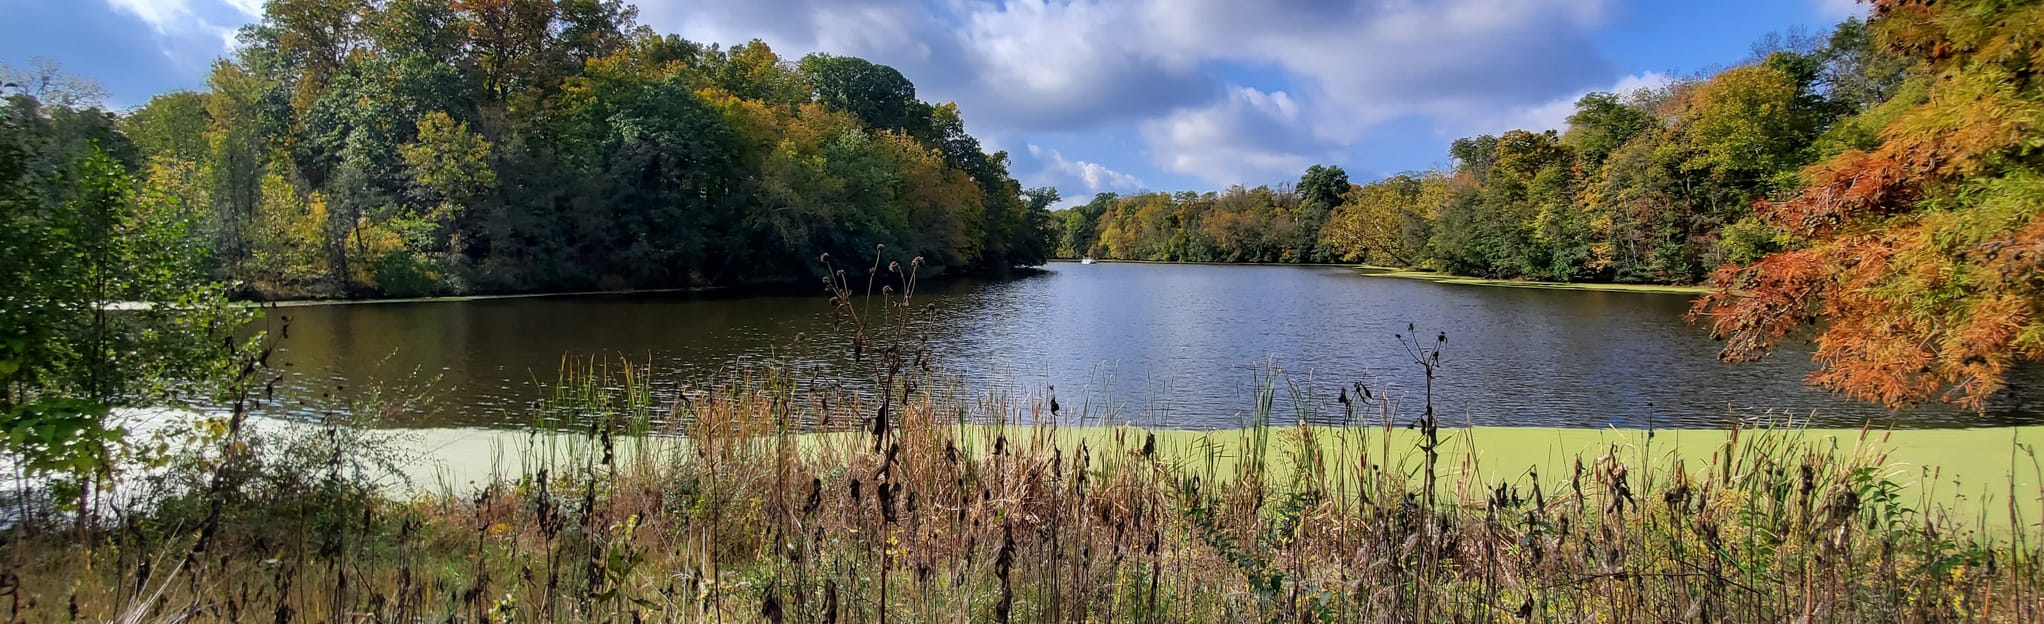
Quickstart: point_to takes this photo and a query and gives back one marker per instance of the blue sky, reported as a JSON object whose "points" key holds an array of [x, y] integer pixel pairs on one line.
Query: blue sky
{"points": [[1101, 95]]}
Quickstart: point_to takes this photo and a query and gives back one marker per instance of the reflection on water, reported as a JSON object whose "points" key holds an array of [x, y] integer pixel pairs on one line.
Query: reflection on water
{"points": [[1169, 345]]}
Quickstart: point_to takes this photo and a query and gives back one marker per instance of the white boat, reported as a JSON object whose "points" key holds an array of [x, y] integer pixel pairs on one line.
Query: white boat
{"points": [[1086, 260]]}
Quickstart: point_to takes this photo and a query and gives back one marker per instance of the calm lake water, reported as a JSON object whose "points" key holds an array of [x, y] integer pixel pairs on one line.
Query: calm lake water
{"points": [[1166, 345]]}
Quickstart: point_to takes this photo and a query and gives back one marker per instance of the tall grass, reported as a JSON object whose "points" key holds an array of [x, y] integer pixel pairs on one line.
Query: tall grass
{"points": [[774, 499]]}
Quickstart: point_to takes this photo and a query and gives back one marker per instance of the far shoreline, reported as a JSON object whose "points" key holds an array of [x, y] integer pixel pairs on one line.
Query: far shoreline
{"points": [[1366, 270], [1369, 270]]}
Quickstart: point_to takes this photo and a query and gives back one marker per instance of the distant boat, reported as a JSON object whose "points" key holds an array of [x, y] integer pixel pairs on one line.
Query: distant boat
{"points": [[1086, 260]]}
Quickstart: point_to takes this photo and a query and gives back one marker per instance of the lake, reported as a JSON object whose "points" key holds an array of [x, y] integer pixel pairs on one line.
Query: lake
{"points": [[1178, 346]]}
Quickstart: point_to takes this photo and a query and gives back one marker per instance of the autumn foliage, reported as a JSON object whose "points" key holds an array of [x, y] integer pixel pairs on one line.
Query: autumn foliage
{"points": [[1919, 260]]}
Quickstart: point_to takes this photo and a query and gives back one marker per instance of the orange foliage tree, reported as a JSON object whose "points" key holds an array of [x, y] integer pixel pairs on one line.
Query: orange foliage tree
{"points": [[1919, 256]]}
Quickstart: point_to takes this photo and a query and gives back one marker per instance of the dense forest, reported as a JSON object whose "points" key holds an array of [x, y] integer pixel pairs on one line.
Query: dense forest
{"points": [[417, 147], [1657, 185]]}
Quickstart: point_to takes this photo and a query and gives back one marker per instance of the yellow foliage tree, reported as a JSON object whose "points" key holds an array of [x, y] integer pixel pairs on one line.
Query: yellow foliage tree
{"points": [[286, 247]]}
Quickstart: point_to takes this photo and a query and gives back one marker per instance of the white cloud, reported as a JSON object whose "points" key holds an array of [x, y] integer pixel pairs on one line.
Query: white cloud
{"points": [[1553, 114], [1251, 137], [175, 16], [186, 30], [1093, 177], [1065, 64], [1057, 64], [251, 8], [162, 14], [1363, 63]]}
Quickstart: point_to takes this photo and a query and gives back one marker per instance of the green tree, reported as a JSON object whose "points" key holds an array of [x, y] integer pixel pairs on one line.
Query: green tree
{"points": [[1749, 122], [1320, 190], [1602, 122], [172, 125], [1387, 221], [668, 190], [879, 95], [68, 358]]}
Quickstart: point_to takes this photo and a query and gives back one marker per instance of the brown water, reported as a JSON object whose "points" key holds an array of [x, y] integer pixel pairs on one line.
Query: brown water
{"points": [[1168, 345]]}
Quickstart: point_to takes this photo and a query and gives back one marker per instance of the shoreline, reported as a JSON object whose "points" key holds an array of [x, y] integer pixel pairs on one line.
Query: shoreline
{"points": [[756, 288], [300, 303], [1365, 270], [1370, 270], [1326, 265], [1459, 280]]}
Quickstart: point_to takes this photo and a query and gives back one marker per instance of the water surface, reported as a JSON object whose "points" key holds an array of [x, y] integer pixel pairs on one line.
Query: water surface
{"points": [[1166, 345]]}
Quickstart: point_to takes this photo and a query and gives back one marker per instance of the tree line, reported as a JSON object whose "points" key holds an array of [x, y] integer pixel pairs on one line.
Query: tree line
{"points": [[419, 147], [1657, 185]]}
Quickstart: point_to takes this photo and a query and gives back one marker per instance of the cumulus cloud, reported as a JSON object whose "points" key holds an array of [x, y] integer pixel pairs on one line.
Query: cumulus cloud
{"points": [[1372, 61], [1553, 114], [192, 32], [1250, 137], [1023, 64], [215, 19], [162, 14], [1092, 177], [891, 31], [1060, 65]]}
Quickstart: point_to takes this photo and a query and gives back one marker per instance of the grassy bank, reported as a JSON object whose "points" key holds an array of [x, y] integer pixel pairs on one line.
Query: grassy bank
{"points": [[1444, 278], [1199, 263], [937, 512]]}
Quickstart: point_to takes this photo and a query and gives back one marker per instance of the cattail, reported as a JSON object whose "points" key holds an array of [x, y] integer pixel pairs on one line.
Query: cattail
{"points": [[887, 462], [1004, 562], [887, 494], [879, 426], [830, 602], [770, 607]]}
